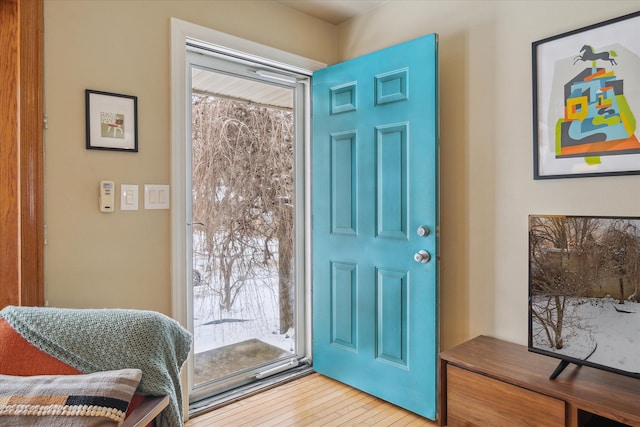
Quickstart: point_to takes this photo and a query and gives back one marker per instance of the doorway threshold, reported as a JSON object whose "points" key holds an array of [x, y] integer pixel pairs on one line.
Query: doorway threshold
{"points": [[215, 402], [220, 362]]}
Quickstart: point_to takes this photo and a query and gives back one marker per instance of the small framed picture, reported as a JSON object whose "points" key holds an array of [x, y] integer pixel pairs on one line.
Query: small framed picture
{"points": [[586, 101], [112, 121]]}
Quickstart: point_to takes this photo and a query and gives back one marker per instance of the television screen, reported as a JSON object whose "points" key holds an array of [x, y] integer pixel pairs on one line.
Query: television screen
{"points": [[584, 304]]}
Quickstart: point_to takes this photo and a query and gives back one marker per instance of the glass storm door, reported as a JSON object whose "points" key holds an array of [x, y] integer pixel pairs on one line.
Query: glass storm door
{"points": [[246, 292], [375, 221]]}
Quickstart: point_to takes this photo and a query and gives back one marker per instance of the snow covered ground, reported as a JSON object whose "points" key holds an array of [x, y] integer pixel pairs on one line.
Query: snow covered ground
{"points": [[255, 314], [614, 335]]}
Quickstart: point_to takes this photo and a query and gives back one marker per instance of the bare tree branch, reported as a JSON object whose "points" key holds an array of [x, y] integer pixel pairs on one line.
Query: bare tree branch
{"points": [[242, 163]]}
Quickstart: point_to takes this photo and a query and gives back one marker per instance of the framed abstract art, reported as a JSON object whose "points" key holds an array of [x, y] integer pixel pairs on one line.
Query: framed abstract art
{"points": [[586, 101]]}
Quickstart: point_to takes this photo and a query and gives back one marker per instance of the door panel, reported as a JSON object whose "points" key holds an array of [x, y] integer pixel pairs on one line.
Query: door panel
{"points": [[246, 184], [375, 181]]}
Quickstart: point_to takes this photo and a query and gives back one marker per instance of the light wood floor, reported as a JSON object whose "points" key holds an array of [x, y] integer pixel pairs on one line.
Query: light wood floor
{"points": [[313, 400]]}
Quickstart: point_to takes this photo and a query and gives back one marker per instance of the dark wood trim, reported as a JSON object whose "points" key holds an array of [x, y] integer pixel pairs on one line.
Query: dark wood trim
{"points": [[31, 152], [9, 152], [21, 177]]}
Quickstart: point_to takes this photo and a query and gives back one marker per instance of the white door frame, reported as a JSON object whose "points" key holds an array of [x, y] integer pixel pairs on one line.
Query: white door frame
{"points": [[181, 33]]}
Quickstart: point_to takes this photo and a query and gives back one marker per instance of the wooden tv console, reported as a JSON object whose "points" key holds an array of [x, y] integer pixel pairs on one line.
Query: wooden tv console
{"points": [[490, 382]]}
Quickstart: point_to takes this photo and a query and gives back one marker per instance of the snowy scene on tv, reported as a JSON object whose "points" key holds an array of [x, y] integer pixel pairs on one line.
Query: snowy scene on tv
{"points": [[583, 289]]}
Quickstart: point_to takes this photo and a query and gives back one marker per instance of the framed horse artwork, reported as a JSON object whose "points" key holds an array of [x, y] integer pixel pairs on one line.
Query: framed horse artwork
{"points": [[586, 101]]}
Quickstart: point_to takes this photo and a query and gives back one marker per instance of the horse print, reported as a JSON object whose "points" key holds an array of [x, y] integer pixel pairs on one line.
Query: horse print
{"points": [[587, 54]]}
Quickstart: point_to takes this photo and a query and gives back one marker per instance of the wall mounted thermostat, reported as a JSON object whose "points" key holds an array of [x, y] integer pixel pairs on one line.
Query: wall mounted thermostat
{"points": [[107, 196]]}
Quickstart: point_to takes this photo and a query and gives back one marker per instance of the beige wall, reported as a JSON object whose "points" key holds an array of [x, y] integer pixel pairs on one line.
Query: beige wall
{"points": [[122, 259], [487, 190]]}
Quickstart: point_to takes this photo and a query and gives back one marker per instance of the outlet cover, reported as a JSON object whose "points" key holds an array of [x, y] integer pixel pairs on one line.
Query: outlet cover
{"points": [[128, 197], [156, 196]]}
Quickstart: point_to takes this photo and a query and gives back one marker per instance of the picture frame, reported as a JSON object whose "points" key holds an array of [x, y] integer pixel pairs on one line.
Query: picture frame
{"points": [[111, 121], [586, 101]]}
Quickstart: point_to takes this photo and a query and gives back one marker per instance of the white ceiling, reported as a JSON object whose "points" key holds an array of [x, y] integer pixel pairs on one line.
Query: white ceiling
{"points": [[219, 84], [333, 11]]}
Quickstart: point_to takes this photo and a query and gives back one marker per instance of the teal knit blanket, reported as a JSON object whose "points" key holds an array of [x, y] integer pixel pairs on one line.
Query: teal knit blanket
{"points": [[94, 340]]}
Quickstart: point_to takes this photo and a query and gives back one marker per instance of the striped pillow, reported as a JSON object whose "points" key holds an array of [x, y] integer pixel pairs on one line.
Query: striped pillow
{"points": [[98, 399]]}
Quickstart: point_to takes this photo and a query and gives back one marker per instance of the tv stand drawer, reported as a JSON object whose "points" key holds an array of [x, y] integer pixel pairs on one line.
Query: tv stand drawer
{"points": [[477, 400], [489, 382]]}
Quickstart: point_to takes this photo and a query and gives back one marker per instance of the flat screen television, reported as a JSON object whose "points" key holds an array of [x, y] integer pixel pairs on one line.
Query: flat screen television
{"points": [[584, 301]]}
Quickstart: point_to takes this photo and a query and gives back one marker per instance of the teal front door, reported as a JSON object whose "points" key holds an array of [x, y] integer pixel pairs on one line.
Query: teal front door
{"points": [[375, 222]]}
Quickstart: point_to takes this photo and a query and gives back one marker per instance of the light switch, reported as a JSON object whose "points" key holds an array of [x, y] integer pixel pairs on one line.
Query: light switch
{"points": [[128, 197], [156, 196]]}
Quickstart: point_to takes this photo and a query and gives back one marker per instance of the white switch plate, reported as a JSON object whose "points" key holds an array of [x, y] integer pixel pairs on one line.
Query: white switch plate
{"points": [[156, 196], [128, 197]]}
